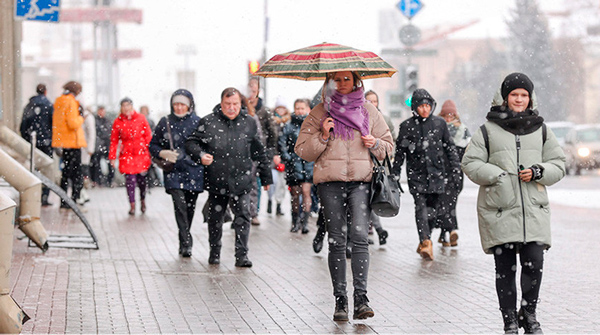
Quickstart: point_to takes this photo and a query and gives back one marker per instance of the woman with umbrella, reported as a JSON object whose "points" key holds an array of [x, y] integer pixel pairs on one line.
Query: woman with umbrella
{"points": [[338, 135]]}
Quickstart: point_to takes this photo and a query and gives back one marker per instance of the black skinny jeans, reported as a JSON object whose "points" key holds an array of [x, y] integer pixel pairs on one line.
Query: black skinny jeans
{"points": [[184, 202], [532, 263], [72, 171]]}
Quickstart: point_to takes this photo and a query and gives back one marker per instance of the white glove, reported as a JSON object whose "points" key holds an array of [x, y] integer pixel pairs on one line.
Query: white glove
{"points": [[169, 155]]}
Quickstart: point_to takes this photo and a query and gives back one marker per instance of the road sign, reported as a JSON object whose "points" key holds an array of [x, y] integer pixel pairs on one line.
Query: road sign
{"points": [[39, 10], [410, 35], [409, 8]]}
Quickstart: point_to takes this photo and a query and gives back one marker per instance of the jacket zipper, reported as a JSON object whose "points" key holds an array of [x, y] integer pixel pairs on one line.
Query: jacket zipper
{"points": [[518, 139]]}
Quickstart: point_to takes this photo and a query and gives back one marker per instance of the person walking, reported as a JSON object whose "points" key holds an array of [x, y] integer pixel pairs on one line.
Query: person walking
{"points": [[226, 142], [133, 132], [460, 136], [338, 136], [425, 144], [37, 117], [103, 130], [514, 157], [298, 172], [282, 117], [89, 131], [67, 134], [186, 181]]}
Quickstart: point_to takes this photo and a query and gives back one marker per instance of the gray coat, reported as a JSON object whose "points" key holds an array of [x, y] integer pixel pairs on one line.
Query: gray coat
{"points": [[510, 210]]}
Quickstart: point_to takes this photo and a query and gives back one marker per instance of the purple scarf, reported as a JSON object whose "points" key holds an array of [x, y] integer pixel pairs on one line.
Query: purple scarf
{"points": [[348, 113]]}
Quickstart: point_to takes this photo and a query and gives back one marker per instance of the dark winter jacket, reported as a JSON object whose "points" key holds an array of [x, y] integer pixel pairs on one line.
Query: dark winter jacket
{"points": [[426, 146], [234, 144], [37, 116], [269, 129], [103, 128], [297, 170], [187, 173]]}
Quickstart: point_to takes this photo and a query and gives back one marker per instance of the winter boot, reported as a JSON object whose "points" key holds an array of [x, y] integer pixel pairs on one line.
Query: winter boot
{"points": [[278, 211], [215, 256], [318, 240], [528, 321], [426, 250], [304, 222], [454, 238], [510, 321], [361, 307], [295, 223], [383, 235], [269, 207], [341, 309], [132, 208], [143, 206]]}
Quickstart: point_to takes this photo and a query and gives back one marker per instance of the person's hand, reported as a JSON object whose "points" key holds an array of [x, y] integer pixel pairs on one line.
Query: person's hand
{"points": [[327, 127], [169, 155], [112, 162], [369, 141], [525, 175], [206, 159], [276, 160], [266, 187]]}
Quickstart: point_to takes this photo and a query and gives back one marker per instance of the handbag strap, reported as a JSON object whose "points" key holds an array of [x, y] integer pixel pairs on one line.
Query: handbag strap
{"points": [[386, 161], [169, 132]]}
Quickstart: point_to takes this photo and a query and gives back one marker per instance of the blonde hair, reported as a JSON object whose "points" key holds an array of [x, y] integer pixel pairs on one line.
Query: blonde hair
{"points": [[356, 78]]}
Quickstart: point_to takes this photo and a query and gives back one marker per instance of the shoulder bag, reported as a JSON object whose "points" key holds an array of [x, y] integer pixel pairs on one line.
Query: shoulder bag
{"points": [[385, 188], [162, 163]]}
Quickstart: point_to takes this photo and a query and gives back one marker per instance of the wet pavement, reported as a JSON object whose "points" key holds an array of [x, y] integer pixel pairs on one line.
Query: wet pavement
{"points": [[137, 283]]}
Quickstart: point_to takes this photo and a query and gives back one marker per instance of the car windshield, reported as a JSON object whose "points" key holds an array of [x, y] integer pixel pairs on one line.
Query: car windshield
{"points": [[588, 135], [560, 132]]}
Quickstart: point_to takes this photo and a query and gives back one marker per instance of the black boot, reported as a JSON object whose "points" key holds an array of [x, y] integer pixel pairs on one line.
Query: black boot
{"points": [[361, 307], [295, 223], [215, 256], [383, 235], [269, 207], [304, 222], [528, 321], [510, 321], [341, 309], [278, 211], [318, 240]]}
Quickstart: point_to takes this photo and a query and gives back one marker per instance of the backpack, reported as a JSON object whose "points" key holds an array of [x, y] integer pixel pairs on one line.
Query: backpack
{"points": [[486, 137]]}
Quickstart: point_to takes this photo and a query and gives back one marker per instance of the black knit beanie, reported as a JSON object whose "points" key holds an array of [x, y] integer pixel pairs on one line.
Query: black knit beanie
{"points": [[513, 81]]}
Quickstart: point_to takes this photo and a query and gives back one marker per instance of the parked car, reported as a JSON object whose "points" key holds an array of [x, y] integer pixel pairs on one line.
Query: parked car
{"points": [[582, 148], [560, 130]]}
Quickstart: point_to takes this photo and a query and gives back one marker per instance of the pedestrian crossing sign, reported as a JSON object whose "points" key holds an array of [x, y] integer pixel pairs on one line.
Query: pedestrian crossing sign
{"points": [[38, 10]]}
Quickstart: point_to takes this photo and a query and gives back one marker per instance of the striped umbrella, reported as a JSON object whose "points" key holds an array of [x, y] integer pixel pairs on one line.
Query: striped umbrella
{"points": [[314, 62]]}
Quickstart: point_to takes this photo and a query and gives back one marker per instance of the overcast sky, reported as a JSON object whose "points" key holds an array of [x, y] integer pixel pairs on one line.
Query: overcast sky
{"points": [[227, 34]]}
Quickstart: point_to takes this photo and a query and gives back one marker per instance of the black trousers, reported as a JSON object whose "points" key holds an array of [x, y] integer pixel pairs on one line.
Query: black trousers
{"points": [[96, 171], [72, 171], [184, 203], [531, 256], [45, 190], [427, 206], [240, 206]]}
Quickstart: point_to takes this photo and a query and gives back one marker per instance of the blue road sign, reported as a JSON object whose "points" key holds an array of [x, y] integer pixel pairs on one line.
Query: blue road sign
{"points": [[39, 10], [409, 8]]}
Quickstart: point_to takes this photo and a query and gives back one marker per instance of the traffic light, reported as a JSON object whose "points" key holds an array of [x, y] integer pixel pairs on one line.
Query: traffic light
{"points": [[253, 67], [411, 79]]}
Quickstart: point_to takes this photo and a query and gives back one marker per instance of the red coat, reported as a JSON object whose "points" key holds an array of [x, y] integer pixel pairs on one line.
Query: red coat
{"points": [[135, 135]]}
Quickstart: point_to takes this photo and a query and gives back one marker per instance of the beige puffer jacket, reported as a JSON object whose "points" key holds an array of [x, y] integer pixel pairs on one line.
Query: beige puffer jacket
{"points": [[339, 160]]}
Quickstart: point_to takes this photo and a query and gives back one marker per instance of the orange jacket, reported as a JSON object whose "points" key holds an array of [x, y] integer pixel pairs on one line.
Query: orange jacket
{"points": [[66, 124]]}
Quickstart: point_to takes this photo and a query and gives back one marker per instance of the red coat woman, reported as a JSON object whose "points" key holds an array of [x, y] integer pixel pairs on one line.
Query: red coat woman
{"points": [[133, 131]]}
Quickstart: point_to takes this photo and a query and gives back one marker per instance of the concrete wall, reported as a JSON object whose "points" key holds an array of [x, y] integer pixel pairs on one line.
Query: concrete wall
{"points": [[10, 74]]}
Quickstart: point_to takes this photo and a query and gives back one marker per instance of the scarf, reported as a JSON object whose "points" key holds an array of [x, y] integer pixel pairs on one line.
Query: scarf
{"points": [[348, 113], [522, 123]]}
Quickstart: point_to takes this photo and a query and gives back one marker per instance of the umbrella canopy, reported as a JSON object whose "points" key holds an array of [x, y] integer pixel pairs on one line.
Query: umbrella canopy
{"points": [[314, 62]]}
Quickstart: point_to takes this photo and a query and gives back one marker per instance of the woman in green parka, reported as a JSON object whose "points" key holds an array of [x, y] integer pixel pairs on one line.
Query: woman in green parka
{"points": [[513, 157]]}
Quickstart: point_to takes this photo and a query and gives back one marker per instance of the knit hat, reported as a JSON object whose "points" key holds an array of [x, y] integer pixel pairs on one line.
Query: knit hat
{"points": [[513, 81], [419, 97], [449, 108], [281, 102], [182, 99], [73, 87], [125, 100]]}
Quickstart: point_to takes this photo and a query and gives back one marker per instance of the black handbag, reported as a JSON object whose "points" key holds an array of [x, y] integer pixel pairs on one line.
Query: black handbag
{"points": [[385, 189], [162, 163]]}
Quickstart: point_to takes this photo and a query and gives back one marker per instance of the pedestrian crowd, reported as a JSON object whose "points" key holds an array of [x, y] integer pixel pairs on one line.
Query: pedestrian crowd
{"points": [[322, 155]]}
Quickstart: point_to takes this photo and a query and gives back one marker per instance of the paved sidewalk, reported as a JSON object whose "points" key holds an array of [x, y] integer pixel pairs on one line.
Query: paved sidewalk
{"points": [[137, 283]]}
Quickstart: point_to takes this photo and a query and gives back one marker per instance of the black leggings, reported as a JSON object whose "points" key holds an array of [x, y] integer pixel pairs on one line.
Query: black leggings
{"points": [[532, 263]]}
